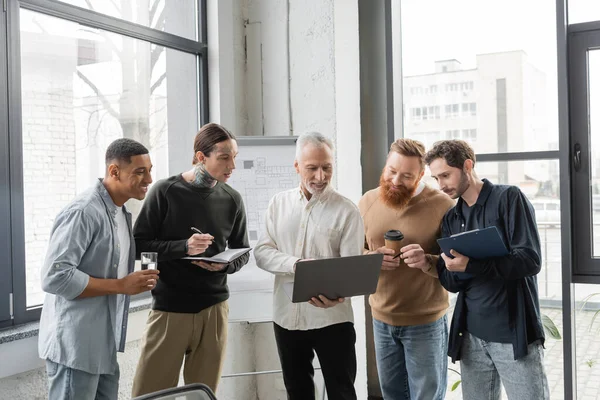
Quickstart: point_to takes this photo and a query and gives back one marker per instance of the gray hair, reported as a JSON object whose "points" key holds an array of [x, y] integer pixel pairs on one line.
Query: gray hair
{"points": [[315, 138]]}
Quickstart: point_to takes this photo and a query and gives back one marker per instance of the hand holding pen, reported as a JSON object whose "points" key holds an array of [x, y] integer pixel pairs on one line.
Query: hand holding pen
{"points": [[198, 242]]}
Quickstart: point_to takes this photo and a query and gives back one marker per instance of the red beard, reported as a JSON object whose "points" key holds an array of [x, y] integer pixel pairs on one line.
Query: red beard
{"points": [[398, 197]]}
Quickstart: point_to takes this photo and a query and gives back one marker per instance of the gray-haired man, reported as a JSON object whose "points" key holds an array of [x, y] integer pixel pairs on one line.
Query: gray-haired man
{"points": [[312, 221]]}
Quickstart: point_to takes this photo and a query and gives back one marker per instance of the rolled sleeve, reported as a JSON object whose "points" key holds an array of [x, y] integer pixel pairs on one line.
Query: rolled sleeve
{"points": [[69, 240]]}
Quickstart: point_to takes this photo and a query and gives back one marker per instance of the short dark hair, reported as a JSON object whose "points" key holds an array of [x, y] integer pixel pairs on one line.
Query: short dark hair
{"points": [[123, 149], [409, 148], [455, 152], [207, 138]]}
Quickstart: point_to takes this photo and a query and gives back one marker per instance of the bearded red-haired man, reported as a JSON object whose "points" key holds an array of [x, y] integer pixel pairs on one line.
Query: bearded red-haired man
{"points": [[409, 306]]}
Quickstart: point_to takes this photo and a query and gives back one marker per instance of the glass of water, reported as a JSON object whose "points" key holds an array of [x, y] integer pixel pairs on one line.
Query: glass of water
{"points": [[149, 260]]}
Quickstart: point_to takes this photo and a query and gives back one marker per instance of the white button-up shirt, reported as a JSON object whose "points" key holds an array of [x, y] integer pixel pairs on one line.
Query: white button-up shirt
{"points": [[328, 225]]}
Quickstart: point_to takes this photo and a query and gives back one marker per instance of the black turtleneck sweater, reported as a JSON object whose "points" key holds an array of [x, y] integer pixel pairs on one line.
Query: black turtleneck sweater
{"points": [[173, 206]]}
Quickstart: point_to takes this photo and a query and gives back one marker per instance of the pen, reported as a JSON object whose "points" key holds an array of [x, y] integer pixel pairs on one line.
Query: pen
{"points": [[196, 230], [396, 256]]}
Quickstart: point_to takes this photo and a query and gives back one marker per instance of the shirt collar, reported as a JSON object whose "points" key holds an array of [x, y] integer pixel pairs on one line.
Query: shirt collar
{"points": [[419, 189], [486, 190], [110, 205]]}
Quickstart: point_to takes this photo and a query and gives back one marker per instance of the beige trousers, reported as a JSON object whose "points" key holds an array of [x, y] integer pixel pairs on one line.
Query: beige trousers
{"points": [[170, 338]]}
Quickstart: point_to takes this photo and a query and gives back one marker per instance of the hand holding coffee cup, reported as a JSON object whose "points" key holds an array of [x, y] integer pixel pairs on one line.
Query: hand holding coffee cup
{"points": [[391, 250], [393, 238]]}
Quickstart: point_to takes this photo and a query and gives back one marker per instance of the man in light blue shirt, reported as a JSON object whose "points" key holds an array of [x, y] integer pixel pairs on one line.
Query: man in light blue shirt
{"points": [[88, 275]]}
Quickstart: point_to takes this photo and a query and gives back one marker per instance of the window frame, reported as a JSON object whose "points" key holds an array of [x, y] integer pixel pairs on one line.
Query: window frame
{"points": [[12, 260], [5, 238], [582, 38]]}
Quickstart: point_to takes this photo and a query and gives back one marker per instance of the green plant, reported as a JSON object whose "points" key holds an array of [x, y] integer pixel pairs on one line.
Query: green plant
{"points": [[585, 301], [550, 327], [590, 363], [455, 384]]}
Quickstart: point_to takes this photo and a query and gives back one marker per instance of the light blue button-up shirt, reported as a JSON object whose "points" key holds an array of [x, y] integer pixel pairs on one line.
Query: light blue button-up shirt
{"points": [[82, 333]]}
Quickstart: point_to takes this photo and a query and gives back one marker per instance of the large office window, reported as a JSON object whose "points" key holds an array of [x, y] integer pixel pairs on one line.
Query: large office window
{"points": [[82, 88], [585, 99], [501, 97], [583, 11], [500, 82], [78, 78]]}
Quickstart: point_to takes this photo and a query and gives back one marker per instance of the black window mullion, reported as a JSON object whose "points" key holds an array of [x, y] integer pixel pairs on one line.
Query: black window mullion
{"points": [[111, 24], [17, 210], [5, 239], [518, 156]]}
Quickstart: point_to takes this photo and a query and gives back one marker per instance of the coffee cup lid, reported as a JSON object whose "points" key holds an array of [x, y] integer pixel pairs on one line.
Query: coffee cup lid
{"points": [[393, 235]]}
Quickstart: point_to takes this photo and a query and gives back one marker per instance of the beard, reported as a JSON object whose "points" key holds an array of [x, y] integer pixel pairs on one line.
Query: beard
{"points": [[463, 185], [395, 196], [313, 190]]}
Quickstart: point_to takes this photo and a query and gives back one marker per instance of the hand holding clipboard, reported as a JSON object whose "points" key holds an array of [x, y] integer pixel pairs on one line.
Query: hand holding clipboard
{"points": [[477, 244]]}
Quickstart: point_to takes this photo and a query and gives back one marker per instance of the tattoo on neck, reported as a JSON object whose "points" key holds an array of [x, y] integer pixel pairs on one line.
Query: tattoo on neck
{"points": [[202, 178]]}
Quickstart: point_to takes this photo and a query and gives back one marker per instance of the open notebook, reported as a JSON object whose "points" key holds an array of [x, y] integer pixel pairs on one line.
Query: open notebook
{"points": [[224, 257]]}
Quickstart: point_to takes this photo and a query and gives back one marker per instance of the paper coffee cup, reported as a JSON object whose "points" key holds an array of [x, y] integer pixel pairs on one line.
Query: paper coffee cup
{"points": [[393, 239]]}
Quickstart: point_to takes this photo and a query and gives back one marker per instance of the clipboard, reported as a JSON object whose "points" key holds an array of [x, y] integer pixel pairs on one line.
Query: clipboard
{"points": [[477, 244]]}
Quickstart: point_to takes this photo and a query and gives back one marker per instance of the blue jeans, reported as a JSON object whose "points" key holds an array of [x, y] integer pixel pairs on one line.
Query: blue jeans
{"points": [[485, 365], [66, 383], [411, 360]]}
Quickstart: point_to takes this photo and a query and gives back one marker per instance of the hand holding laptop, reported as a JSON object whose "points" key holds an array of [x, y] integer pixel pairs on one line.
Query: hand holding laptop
{"points": [[321, 301], [324, 302], [326, 282]]}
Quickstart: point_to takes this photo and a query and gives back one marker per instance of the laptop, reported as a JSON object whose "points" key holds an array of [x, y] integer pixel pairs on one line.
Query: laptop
{"points": [[335, 277]]}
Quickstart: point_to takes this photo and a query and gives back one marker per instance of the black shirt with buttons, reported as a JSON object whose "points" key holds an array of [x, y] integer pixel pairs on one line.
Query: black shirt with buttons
{"points": [[479, 288], [485, 299]]}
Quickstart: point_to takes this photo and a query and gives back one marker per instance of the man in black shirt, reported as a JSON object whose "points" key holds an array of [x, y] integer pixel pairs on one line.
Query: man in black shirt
{"points": [[496, 330], [189, 308]]}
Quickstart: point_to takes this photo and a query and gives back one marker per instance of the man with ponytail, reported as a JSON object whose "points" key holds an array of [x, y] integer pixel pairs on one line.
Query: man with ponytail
{"points": [[188, 321]]}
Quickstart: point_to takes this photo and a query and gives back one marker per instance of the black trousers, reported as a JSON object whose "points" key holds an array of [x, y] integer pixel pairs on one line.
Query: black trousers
{"points": [[334, 346]]}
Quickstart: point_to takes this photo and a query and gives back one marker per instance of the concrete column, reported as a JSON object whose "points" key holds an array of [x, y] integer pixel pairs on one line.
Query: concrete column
{"points": [[222, 58], [377, 121]]}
